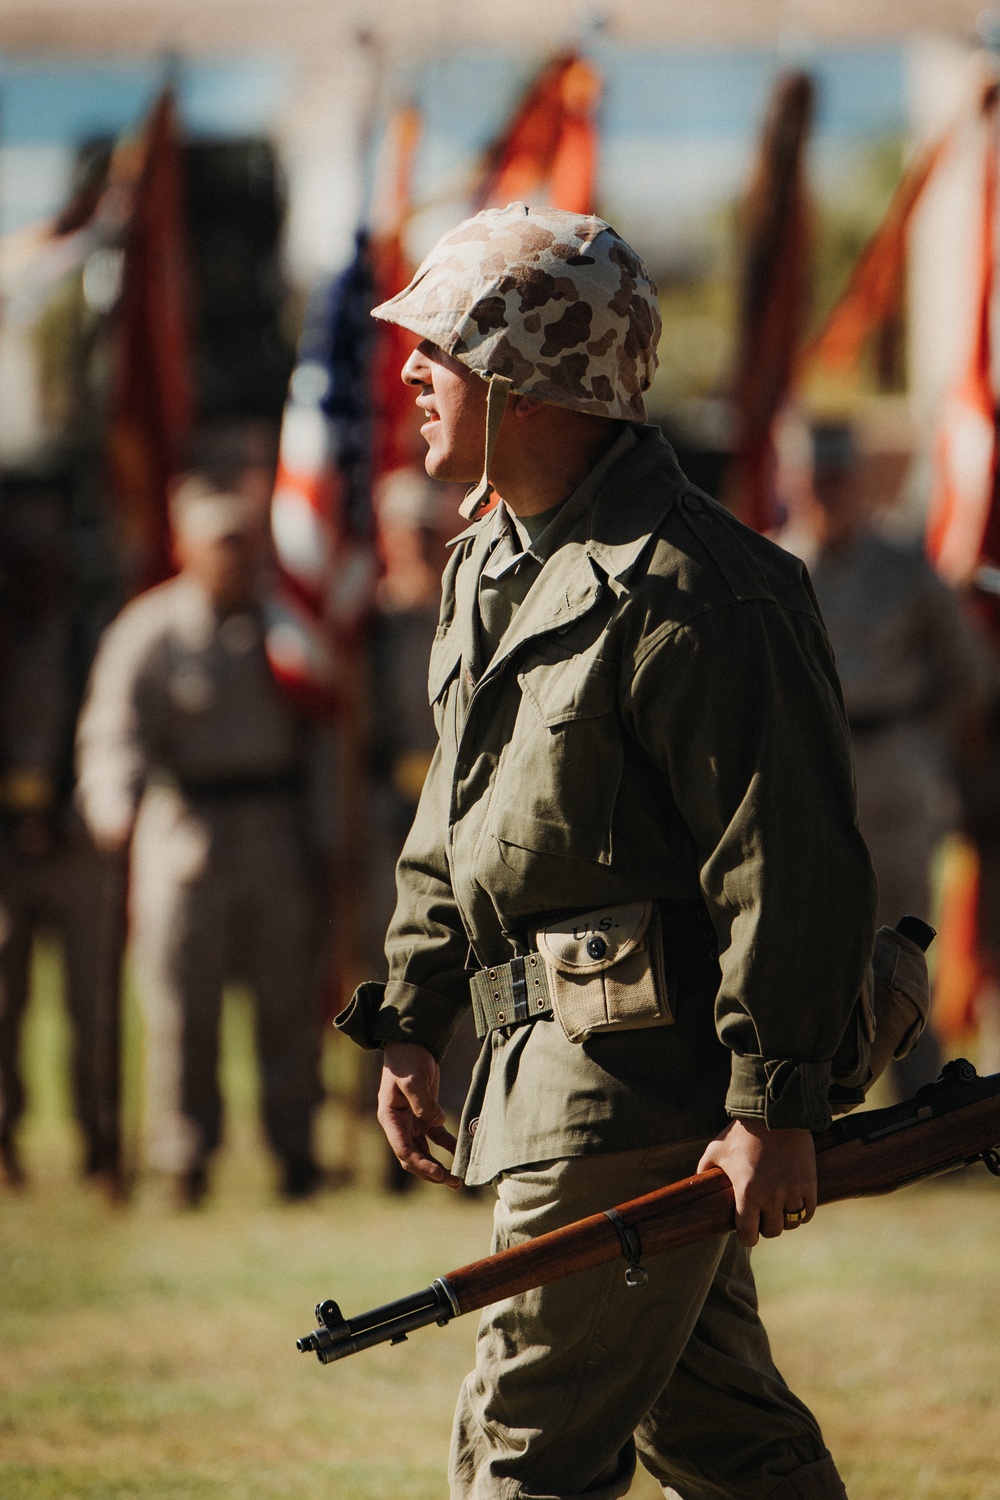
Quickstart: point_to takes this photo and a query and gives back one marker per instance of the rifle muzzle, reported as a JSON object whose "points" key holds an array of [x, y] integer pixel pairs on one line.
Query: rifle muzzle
{"points": [[337, 1336]]}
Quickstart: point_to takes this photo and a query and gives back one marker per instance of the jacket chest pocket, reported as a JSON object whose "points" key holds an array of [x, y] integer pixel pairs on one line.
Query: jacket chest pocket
{"points": [[559, 774]]}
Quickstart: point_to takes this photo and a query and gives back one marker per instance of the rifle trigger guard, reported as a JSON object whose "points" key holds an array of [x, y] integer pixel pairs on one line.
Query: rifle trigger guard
{"points": [[991, 1160], [636, 1275]]}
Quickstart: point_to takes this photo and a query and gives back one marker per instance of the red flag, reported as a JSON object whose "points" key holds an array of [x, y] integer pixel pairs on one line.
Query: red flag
{"points": [[152, 402], [960, 970], [965, 448], [549, 149], [874, 289], [772, 296], [396, 437]]}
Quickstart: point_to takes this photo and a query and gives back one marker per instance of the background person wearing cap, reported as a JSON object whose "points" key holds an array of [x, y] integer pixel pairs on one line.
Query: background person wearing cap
{"points": [[187, 749], [638, 717]]}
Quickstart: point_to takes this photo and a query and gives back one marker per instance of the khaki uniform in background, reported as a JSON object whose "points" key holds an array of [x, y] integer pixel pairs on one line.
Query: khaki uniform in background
{"points": [[909, 665], [53, 881], [183, 714], [660, 720]]}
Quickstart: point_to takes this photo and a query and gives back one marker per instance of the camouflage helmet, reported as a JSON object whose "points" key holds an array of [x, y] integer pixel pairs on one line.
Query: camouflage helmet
{"points": [[555, 303]]}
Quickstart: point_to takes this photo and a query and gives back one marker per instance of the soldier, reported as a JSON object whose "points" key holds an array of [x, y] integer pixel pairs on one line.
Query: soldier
{"points": [[910, 666], [187, 749], [636, 852], [52, 879]]}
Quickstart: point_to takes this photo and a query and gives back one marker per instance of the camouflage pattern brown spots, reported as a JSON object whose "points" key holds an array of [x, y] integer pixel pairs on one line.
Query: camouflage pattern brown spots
{"points": [[488, 313], [568, 375], [571, 329], [603, 344], [556, 302], [507, 361]]}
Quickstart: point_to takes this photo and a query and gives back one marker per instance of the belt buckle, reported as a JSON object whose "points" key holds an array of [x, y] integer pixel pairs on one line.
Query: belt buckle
{"points": [[519, 989]]}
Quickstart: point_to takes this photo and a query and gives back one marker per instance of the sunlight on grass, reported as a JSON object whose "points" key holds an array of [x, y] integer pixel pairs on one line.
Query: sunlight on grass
{"points": [[147, 1354]]}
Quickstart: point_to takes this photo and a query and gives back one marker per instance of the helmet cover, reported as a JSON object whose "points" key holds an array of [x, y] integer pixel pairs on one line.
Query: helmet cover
{"points": [[555, 302]]}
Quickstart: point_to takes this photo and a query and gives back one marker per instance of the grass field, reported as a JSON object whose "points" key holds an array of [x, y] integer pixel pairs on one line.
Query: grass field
{"points": [[146, 1353]]}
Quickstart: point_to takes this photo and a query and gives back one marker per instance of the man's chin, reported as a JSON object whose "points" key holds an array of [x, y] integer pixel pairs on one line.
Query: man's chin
{"points": [[446, 467]]}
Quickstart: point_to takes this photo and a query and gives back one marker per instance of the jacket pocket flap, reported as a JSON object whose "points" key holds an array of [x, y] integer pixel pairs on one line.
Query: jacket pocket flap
{"points": [[574, 688], [446, 655]]}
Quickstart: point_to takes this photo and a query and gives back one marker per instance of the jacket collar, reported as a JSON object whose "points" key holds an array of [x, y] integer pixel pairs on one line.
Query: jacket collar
{"points": [[601, 550]]}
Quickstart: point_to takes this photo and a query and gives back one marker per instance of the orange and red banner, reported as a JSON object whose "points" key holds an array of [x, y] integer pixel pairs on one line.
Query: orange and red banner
{"points": [[874, 289], [396, 440], [772, 297], [548, 151], [965, 450]]}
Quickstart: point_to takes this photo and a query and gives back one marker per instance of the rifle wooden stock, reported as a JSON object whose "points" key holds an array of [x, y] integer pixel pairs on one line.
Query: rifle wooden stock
{"points": [[946, 1125]]}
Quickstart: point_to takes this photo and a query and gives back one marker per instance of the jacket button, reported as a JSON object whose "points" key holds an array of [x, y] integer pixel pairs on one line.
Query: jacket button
{"points": [[474, 1125], [597, 947], [691, 502]]}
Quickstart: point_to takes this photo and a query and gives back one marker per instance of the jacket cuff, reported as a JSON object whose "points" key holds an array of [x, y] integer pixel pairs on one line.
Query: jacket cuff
{"points": [[380, 1013], [785, 1095]]}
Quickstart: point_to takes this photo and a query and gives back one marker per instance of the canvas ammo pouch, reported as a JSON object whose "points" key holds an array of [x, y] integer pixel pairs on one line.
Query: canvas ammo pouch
{"points": [[887, 1020], [599, 971]]}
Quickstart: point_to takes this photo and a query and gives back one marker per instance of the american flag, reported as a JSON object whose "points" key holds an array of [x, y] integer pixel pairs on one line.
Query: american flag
{"points": [[321, 513]]}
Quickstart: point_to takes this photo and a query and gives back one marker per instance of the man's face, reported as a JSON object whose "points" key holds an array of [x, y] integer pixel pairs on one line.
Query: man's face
{"points": [[842, 502], [453, 399], [227, 567]]}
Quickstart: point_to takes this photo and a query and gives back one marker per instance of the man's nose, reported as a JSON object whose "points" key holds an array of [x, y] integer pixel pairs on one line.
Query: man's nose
{"points": [[415, 371]]}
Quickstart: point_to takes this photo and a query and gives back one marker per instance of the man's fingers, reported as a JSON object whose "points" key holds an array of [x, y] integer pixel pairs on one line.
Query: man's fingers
{"points": [[420, 1100], [408, 1139], [443, 1137], [421, 1163], [747, 1218], [772, 1220]]}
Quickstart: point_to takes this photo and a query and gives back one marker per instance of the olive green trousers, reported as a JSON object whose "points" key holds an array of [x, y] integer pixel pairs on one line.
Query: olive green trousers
{"points": [[572, 1380]]}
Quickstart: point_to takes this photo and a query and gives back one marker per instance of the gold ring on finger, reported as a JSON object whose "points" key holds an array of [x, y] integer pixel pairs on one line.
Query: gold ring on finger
{"points": [[794, 1217]]}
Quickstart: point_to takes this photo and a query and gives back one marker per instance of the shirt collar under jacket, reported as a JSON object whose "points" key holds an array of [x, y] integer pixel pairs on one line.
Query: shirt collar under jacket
{"points": [[562, 521]]}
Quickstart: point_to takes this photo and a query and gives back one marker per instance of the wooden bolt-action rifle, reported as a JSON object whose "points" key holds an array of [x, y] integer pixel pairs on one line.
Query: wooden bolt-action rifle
{"points": [[948, 1124]]}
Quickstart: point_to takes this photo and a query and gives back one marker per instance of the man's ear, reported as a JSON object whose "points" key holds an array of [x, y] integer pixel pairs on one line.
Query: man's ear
{"points": [[523, 406]]}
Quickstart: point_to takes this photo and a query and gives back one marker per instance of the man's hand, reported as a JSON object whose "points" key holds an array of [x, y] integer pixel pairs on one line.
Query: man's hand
{"points": [[409, 1112], [773, 1172]]}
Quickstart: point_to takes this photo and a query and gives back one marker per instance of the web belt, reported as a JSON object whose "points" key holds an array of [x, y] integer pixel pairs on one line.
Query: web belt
{"points": [[510, 994]]}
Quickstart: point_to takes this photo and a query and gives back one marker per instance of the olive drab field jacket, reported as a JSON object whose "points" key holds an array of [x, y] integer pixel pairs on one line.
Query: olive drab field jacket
{"points": [[661, 722]]}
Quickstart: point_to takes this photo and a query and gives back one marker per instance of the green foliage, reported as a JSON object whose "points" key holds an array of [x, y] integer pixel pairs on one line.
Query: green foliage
{"points": [[698, 301]]}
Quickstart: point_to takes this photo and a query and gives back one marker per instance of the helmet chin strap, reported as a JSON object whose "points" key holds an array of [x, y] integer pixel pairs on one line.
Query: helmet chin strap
{"points": [[496, 404]]}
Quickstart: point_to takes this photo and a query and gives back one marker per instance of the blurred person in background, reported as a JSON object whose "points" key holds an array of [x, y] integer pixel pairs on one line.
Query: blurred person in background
{"points": [[52, 878], [415, 519], [188, 752], [911, 668]]}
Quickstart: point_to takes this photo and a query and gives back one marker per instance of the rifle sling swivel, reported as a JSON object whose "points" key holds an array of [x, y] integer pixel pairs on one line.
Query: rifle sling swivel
{"points": [[636, 1275]]}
